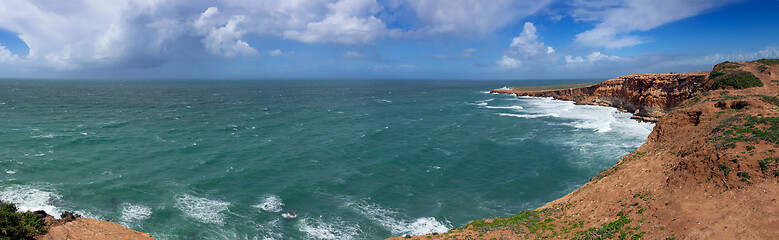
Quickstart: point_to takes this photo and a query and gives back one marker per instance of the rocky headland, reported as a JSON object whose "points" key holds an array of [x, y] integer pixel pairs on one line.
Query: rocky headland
{"points": [[708, 170], [647, 96]]}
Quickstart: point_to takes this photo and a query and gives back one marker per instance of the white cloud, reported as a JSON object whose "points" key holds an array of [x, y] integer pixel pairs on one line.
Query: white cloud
{"points": [[618, 20], [348, 22], [354, 55], [468, 16], [6, 56], [225, 40], [279, 53], [509, 63], [527, 48], [592, 57]]}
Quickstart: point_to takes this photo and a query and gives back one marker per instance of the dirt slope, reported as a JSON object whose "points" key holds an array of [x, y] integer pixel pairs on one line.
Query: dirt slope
{"points": [[709, 170]]}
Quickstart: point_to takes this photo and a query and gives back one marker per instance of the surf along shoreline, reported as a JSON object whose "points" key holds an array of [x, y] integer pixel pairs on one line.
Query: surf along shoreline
{"points": [[709, 169]]}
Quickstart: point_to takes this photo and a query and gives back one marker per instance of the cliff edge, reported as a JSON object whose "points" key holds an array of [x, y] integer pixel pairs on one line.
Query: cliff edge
{"points": [[647, 96], [709, 169]]}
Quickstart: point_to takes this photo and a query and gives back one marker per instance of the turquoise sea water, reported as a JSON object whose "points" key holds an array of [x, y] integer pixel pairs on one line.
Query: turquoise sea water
{"points": [[354, 159]]}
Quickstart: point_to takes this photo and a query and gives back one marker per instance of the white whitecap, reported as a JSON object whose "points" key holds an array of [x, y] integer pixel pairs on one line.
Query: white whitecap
{"points": [[392, 221], [271, 203], [202, 209], [528, 115], [515, 107], [10, 172], [316, 228], [29, 198], [134, 214]]}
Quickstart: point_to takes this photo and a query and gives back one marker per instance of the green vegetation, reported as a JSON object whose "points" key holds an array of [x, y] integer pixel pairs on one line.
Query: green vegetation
{"points": [[743, 128], [726, 65], [738, 79], [764, 164], [16, 225], [768, 61], [744, 176], [769, 99], [714, 74], [725, 169], [762, 68], [618, 228]]}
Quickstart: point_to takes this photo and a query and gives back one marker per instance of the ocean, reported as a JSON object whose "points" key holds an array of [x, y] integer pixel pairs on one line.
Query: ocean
{"points": [[354, 159]]}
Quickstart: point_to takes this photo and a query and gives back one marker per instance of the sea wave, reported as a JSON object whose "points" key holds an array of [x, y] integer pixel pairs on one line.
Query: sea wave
{"points": [[317, 228], [392, 221], [202, 209], [32, 198], [270, 203], [133, 215]]}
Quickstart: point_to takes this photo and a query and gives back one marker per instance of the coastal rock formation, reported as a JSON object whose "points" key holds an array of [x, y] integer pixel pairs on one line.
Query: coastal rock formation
{"points": [[92, 229], [647, 96], [709, 170]]}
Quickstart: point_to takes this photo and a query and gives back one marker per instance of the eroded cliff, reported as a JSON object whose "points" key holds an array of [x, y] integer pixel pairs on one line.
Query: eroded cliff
{"points": [[647, 96]]}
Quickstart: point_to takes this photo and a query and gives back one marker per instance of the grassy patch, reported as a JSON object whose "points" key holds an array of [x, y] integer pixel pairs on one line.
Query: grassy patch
{"points": [[19, 225], [769, 99], [619, 229], [762, 68], [737, 79], [768, 61], [726, 65], [742, 128]]}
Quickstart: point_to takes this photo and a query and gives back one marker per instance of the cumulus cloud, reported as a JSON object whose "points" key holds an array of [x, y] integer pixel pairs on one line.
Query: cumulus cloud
{"points": [[348, 22], [6, 56], [592, 57], [617, 21], [222, 36], [526, 48]]}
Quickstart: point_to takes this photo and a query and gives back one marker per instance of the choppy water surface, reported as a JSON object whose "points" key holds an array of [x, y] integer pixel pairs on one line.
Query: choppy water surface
{"points": [[353, 159]]}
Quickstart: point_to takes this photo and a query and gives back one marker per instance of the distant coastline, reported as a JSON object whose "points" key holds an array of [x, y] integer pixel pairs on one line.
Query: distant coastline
{"points": [[709, 168]]}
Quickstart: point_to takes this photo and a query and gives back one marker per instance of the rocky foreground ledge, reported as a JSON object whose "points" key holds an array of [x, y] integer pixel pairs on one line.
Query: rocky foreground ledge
{"points": [[647, 96], [74, 227], [709, 169]]}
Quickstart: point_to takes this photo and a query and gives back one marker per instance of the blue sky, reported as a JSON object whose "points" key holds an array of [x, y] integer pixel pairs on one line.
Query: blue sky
{"points": [[409, 39]]}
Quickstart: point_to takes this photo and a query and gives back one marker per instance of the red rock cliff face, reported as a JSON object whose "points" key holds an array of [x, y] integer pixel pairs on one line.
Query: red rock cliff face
{"points": [[647, 96]]}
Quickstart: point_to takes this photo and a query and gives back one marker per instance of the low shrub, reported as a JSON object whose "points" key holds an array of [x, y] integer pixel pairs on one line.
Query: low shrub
{"points": [[16, 225], [768, 61], [737, 79]]}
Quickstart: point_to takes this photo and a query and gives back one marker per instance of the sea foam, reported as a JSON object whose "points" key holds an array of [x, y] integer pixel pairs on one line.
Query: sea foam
{"points": [[271, 203], [133, 215], [32, 198], [202, 209], [391, 221], [316, 228]]}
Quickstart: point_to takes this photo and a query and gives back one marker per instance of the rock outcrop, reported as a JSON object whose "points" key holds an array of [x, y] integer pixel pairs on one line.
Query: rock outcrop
{"points": [[73, 227], [92, 229], [647, 96], [708, 170]]}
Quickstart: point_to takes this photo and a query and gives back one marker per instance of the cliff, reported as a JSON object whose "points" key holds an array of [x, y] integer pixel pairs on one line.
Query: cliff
{"points": [[647, 96], [708, 170]]}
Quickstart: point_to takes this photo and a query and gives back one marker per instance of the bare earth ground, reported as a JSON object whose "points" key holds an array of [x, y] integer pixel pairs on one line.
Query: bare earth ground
{"points": [[709, 170], [92, 229]]}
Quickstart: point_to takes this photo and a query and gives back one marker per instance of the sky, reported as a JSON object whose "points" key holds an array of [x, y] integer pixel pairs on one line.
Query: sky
{"points": [[379, 39]]}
